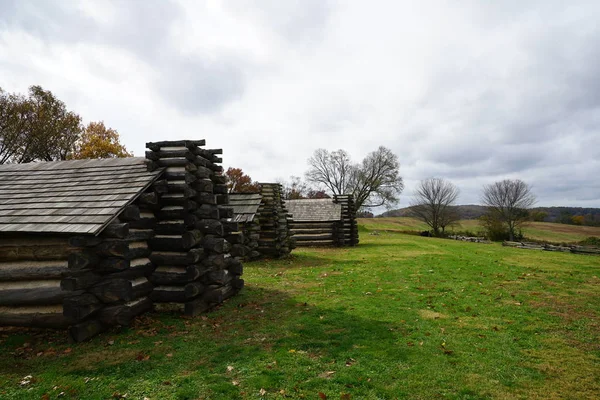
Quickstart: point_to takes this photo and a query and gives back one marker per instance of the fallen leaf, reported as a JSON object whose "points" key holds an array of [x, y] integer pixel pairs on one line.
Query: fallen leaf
{"points": [[322, 396], [345, 396], [111, 342], [229, 368], [262, 392], [67, 350], [235, 383], [170, 355]]}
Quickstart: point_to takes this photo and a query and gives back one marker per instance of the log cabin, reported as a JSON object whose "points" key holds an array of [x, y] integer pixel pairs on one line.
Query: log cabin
{"points": [[264, 222], [324, 222], [89, 244]]}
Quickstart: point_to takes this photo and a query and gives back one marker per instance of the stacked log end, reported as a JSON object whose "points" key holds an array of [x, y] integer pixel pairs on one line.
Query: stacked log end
{"points": [[109, 273], [276, 238], [246, 244], [31, 269], [194, 267], [347, 228]]}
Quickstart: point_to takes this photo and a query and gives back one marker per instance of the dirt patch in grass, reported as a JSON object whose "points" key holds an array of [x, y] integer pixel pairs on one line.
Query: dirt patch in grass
{"points": [[428, 314], [90, 360]]}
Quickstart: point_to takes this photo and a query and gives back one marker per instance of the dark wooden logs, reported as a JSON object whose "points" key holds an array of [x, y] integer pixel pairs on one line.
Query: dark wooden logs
{"points": [[191, 256], [193, 289], [32, 293], [207, 211], [177, 275], [216, 244], [189, 244], [130, 213], [36, 316], [219, 277], [79, 307], [210, 227], [79, 282], [173, 144], [34, 252], [112, 290], [32, 270], [162, 154], [168, 294], [183, 242], [123, 314]]}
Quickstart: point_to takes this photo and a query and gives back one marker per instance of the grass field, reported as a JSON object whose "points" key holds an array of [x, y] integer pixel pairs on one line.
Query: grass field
{"points": [[543, 231], [399, 316]]}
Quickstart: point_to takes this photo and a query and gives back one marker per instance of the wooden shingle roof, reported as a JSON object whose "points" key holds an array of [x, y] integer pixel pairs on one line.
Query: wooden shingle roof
{"points": [[245, 205], [314, 210], [79, 196]]}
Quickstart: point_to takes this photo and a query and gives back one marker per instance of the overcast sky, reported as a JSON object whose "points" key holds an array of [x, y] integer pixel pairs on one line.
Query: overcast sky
{"points": [[470, 91]]}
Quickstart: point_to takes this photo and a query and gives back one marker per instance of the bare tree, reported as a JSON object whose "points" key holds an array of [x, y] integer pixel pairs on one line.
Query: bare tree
{"points": [[433, 204], [507, 202], [373, 183], [333, 170]]}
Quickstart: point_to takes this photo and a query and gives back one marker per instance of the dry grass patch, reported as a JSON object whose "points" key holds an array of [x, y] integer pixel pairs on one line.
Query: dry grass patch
{"points": [[429, 314]]}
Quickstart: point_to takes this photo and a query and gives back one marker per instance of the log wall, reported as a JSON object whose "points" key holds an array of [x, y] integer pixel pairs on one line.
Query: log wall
{"points": [[250, 236], [84, 283], [317, 233], [110, 273], [276, 238], [327, 233], [31, 270], [194, 266], [348, 226]]}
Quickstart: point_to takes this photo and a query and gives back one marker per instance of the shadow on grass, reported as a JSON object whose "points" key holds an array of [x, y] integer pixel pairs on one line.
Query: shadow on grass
{"points": [[260, 339]]}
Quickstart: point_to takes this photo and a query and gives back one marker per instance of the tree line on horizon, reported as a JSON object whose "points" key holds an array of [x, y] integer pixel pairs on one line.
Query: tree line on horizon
{"points": [[39, 127], [373, 182], [376, 182]]}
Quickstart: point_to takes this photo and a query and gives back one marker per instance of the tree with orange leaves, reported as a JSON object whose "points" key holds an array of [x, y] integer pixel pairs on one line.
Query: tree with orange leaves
{"points": [[98, 141], [238, 182]]}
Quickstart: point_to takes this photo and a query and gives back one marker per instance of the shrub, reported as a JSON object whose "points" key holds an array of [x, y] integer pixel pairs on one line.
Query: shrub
{"points": [[590, 241], [497, 231]]}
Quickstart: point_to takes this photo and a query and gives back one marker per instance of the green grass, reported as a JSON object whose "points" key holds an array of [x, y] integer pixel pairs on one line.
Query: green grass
{"points": [[542, 231], [399, 316]]}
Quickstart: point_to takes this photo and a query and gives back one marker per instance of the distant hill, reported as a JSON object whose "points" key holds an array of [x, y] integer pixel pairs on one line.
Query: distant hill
{"points": [[470, 211], [552, 214]]}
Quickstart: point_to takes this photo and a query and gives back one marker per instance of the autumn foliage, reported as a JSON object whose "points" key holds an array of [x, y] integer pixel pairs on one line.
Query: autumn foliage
{"points": [[238, 182], [98, 141], [39, 127]]}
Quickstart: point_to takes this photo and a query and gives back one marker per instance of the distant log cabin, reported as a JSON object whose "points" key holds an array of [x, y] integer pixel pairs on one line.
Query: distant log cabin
{"points": [[264, 222], [86, 244], [324, 222]]}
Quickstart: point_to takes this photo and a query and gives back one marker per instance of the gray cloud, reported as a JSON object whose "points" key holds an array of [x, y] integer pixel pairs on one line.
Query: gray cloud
{"points": [[201, 86], [473, 93]]}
